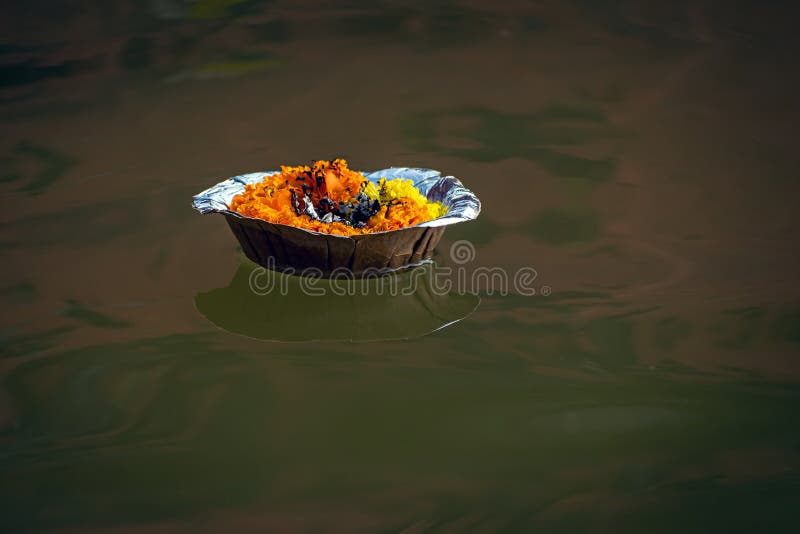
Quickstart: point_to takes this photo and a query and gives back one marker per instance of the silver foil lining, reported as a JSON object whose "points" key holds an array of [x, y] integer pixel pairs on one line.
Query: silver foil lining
{"points": [[462, 203]]}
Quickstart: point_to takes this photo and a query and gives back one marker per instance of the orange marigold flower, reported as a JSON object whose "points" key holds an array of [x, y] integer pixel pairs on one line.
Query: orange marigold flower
{"points": [[330, 198]]}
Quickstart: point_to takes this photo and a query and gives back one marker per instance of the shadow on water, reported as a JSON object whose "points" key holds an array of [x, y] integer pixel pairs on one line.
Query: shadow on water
{"points": [[269, 305]]}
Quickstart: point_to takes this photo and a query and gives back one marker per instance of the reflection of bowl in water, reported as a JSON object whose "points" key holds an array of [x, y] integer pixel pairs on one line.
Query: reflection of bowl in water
{"points": [[395, 306], [283, 247]]}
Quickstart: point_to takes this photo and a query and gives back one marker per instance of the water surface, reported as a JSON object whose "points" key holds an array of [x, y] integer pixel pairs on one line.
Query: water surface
{"points": [[640, 157]]}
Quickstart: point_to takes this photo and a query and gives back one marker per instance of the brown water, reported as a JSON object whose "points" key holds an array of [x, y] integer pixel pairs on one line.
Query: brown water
{"points": [[641, 157]]}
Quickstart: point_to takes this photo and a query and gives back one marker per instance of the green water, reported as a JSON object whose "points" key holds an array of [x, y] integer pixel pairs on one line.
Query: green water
{"points": [[640, 157]]}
